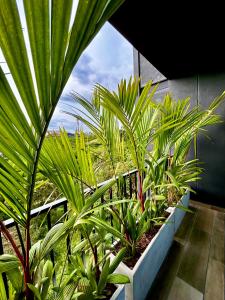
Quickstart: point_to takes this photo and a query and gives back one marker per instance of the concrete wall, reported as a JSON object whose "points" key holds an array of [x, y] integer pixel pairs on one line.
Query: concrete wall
{"points": [[211, 148], [147, 70]]}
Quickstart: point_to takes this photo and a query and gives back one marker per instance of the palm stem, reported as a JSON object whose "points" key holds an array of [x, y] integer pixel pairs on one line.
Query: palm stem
{"points": [[9, 237], [27, 275], [94, 251], [21, 240], [140, 193]]}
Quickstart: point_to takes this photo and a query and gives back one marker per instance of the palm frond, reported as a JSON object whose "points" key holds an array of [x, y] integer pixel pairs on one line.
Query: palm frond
{"points": [[55, 48], [102, 123]]}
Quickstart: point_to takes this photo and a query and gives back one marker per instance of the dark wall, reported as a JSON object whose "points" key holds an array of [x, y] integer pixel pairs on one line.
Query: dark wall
{"points": [[211, 146], [147, 70], [212, 150]]}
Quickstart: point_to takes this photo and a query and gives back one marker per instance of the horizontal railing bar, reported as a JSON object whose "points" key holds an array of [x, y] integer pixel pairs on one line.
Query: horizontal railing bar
{"points": [[108, 180], [54, 204], [39, 210]]}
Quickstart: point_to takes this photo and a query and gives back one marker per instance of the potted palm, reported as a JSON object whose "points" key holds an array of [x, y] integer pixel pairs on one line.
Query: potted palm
{"points": [[168, 129], [168, 178], [121, 120]]}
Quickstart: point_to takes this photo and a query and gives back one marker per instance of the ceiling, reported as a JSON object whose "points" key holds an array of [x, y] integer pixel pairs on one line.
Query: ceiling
{"points": [[178, 39]]}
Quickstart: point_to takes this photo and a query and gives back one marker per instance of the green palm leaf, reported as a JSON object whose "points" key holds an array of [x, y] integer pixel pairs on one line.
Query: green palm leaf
{"points": [[68, 166], [55, 49], [102, 123], [3, 295]]}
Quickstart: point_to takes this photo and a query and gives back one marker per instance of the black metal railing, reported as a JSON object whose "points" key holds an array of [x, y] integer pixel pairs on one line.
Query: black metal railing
{"points": [[47, 208], [128, 184]]}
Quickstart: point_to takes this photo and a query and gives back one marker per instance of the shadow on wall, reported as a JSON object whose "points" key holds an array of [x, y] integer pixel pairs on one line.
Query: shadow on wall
{"points": [[211, 151]]}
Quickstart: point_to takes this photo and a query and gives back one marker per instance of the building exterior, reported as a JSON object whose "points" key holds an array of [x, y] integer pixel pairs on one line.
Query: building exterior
{"points": [[202, 89]]}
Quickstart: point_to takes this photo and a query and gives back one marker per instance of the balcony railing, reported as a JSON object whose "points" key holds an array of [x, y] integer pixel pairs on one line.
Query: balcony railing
{"points": [[128, 186]]}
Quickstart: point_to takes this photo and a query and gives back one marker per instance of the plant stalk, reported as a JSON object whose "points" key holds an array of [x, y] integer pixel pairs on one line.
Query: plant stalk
{"points": [[94, 251], [9, 237], [27, 275], [140, 192]]}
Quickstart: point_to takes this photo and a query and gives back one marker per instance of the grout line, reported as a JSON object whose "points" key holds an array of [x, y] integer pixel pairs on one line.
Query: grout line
{"points": [[210, 246]]}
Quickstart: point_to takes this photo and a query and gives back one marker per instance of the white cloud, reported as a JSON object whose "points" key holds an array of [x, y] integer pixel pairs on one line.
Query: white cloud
{"points": [[107, 60], [111, 54]]}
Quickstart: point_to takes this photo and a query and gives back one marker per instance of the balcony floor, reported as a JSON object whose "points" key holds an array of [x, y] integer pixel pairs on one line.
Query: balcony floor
{"points": [[194, 267]]}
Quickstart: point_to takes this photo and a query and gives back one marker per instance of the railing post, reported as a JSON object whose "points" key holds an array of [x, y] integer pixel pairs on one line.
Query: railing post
{"points": [[124, 187], [3, 274], [130, 186], [111, 218], [143, 178], [51, 252], [1, 245], [68, 245], [110, 193], [135, 184]]}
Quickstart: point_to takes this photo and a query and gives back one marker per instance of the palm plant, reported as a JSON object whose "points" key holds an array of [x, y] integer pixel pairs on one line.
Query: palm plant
{"points": [[55, 48], [68, 166], [111, 114], [169, 171], [176, 141], [70, 169], [104, 125], [132, 223], [138, 115], [83, 275]]}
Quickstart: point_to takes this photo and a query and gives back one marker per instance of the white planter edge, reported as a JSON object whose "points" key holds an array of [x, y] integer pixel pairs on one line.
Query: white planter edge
{"points": [[119, 293], [138, 291]]}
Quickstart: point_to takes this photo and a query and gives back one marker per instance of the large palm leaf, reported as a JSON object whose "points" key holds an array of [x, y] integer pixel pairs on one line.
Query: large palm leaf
{"points": [[167, 167], [68, 166], [103, 124], [55, 49], [137, 114], [176, 140]]}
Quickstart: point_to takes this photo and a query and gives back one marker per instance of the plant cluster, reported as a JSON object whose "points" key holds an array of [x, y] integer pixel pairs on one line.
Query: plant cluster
{"points": [[155, 136], [40, 69]]}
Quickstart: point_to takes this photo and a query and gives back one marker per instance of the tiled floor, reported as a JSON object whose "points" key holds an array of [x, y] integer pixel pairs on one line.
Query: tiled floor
{"points": [[194, 267]]}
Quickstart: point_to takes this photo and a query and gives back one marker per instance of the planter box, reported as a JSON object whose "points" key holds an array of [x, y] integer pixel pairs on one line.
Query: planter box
{"points": [[148, 265], [119, 293], [179, 212]]}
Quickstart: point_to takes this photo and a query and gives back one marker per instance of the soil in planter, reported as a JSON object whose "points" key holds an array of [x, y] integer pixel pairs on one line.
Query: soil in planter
{"points": [[142, 244], [110, 289]]}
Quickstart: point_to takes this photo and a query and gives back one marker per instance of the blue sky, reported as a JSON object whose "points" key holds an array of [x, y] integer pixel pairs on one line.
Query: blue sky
{"points": [[107, 60]]}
